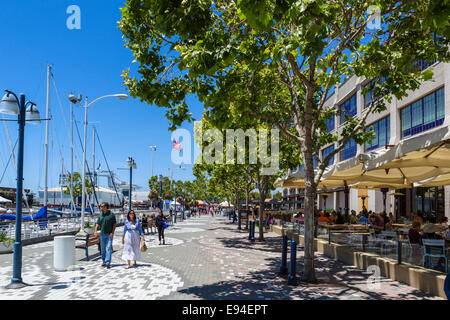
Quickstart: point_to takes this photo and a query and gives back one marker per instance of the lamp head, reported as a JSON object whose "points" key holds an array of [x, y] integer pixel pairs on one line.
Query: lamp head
{"points": [[72, 98], [32, 114], [9, 105], [122, 96]]}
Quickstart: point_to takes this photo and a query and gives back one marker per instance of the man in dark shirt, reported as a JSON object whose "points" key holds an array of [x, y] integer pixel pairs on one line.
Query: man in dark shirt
{"points": [[107, 224]]}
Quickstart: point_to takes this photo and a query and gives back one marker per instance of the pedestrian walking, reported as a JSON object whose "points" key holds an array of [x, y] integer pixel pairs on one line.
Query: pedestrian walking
{"points": [[160, 226], [144, 224], [106, 222], [131, 239]]}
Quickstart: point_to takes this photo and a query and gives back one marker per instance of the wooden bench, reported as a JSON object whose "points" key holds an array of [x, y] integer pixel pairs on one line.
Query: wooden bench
{"points": [[89, 240]]}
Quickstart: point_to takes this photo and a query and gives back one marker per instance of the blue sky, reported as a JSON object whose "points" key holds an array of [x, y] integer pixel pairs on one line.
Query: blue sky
{"points": [[90, 62]]}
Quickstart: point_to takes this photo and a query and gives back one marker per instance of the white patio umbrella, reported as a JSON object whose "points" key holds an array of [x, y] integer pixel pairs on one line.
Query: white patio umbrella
{"points": [[4, 200]]}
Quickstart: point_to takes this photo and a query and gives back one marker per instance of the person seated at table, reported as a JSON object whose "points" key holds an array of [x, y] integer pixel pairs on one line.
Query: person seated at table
{"points": [[377, 223], [414, 233], [353, 218], [324, 217], [339, 218], [363, 219], [447, 233], [299, 218], [334, 216], [391, 218]]}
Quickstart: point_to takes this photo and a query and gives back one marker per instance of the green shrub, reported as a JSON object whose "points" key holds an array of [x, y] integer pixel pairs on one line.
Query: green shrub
{"points": [[5, 240]]}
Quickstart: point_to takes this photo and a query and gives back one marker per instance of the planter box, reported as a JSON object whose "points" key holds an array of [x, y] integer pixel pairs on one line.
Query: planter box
{"points": [[5, 249]]}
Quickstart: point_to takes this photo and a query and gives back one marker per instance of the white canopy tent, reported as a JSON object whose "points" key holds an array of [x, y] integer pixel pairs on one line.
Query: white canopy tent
{"points": [[225, 204], [4, 200]]}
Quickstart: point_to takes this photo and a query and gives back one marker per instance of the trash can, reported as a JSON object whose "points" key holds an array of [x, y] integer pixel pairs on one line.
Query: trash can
{"points": [[63, 252]]}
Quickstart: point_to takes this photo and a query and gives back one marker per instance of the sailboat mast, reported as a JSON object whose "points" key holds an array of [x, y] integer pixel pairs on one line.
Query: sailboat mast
{"points": [[71, 157], [49, 68]]}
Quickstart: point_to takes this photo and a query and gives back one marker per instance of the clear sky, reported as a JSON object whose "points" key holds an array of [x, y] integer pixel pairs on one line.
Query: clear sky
{"points": [[90, 62]]}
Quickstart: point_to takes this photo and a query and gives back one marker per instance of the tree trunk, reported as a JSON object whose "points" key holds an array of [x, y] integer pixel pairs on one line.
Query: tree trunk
{"points": [[262, 198]]}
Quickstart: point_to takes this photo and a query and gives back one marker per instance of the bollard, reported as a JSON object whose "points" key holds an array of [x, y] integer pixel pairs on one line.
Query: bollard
{"points": [[239, 221], [283, 267], [253, 232], [292, 279], [316, 227], [250, 231]]}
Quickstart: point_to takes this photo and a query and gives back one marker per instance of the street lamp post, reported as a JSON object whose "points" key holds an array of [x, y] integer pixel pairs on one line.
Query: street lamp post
{"points": [[132, 165], [10, 104], [175, 191], [152, 148], [83, 195], [160, 178]]}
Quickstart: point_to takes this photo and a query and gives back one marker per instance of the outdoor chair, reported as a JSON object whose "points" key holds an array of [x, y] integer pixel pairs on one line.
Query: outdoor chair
{"points": [[322, 231], [385, 238], [434, 249]]}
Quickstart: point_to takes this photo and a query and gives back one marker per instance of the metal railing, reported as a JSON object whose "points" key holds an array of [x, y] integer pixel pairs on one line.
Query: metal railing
{"points": [[391, 245]]}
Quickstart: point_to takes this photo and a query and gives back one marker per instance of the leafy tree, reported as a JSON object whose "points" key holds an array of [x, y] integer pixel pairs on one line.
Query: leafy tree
{"points": [[77, 185], [278, 61]]}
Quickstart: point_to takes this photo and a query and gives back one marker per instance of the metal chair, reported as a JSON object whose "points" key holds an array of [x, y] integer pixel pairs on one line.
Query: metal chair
{"points": [[433, 248], [385, 238]]}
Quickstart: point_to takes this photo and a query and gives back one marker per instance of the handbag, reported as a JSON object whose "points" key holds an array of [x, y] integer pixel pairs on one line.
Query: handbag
{"points": [[164, 224], [143, 247]]}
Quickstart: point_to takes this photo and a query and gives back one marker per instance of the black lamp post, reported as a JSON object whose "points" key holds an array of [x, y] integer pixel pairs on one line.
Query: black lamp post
{"points": [[11, 104]]}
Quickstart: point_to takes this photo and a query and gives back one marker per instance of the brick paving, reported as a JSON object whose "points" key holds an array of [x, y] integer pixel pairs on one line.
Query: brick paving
{"points": [[205, 258]]}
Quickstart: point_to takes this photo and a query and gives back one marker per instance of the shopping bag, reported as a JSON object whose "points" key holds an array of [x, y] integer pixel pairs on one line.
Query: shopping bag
{"points": [[164, 224], [143, 247]]}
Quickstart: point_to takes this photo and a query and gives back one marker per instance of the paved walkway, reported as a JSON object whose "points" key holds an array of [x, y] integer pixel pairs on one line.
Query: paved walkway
{"points": [[204, 258]]}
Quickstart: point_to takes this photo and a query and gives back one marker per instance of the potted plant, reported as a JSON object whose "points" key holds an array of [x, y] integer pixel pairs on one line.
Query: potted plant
{"points": [[88, 228], [6, 244]]}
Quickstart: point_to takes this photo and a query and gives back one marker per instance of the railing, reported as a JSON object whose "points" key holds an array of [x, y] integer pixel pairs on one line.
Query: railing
{"points": [[390, 245]]}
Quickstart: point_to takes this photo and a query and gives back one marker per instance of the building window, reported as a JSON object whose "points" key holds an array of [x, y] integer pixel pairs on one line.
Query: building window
{"points": [[348, 108], [424, 114], [326, 152], [382, 129], [330, 123], [349, 150]]}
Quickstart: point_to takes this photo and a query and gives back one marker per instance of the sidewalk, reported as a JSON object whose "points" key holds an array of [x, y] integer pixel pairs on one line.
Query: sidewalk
{"points": [[204, 258]]}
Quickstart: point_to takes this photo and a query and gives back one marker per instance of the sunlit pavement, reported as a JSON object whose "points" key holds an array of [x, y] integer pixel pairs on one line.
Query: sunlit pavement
{"points": [[204, 258]]}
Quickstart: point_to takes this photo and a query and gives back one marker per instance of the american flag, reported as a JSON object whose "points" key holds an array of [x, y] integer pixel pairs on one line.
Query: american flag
{"points": [[176, 145]]}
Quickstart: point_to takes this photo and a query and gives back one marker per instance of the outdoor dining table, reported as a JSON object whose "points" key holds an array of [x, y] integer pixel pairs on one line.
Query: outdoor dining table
{"points": [[345, 226]]}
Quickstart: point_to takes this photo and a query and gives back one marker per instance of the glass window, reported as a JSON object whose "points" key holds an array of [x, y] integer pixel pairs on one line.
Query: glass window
{"points": [[440, 106], [382, 134], [423, 114], [326, 152], [348, 108], [429, 110], [416, 114], [349, 150], [406, 121], [330, 123]]}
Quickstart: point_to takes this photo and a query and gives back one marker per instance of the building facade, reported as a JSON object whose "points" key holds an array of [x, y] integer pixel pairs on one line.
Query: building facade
{"points": [[423, 110]]}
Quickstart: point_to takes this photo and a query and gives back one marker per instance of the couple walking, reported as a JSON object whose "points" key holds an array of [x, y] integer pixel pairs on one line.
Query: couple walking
{"points": [[131, 238]]}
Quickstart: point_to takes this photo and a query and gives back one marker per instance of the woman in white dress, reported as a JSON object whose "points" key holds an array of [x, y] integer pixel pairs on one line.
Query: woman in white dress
{"points": [[131, 239]]}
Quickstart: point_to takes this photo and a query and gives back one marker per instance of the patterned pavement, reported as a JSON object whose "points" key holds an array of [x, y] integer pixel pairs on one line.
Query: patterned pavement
{"points": [[204, 258]]}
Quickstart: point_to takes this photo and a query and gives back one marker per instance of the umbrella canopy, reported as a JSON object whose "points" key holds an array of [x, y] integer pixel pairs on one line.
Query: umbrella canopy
{"points": [[423, 160], [4, 200]]}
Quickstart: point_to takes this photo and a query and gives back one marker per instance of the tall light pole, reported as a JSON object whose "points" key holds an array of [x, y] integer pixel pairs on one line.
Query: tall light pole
{"points": [[73, 100], [132, 165], [160, 178], [83, 195], [11, 104], [175, 191], [152, 148]]}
